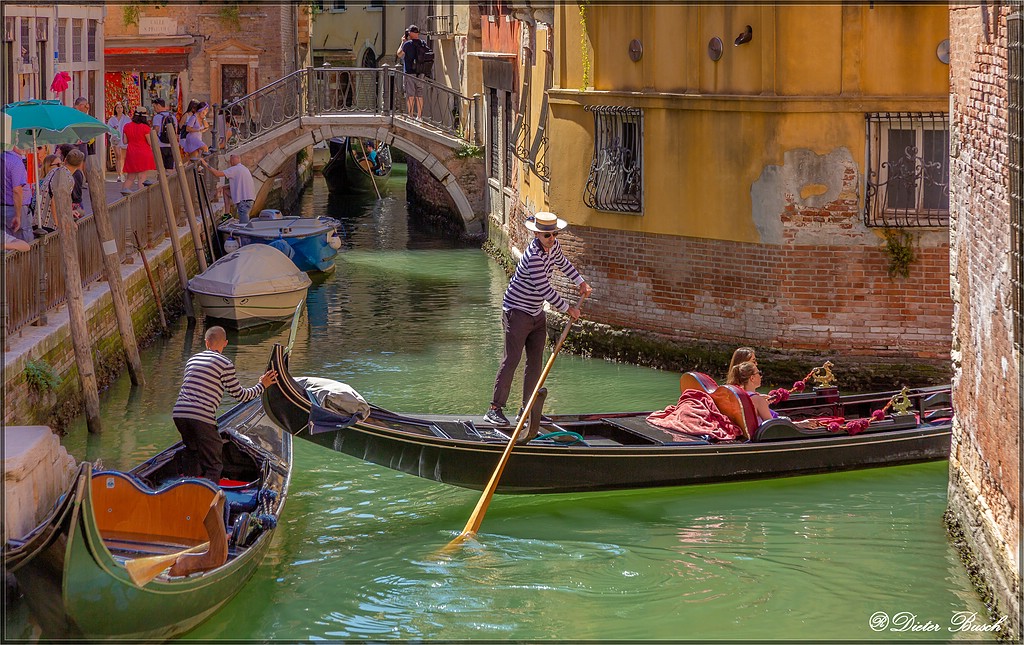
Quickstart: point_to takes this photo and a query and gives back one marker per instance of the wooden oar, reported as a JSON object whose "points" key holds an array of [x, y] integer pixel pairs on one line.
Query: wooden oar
{"points": [[143, 570], [485, 499]]}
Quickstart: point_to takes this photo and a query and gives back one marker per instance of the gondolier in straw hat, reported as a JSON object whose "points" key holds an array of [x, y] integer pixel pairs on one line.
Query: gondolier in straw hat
{"points": [[522, 317]]}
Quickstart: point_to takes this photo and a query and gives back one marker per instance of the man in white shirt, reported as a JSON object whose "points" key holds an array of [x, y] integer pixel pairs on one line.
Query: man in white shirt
{"points": [[243, 189]]}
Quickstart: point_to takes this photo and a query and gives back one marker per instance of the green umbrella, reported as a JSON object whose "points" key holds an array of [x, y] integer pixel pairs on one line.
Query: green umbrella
{"points": [[35, 123]]}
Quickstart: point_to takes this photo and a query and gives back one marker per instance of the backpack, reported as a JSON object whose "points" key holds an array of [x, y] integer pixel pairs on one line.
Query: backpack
{"points": [[424, 63], [161, 127]]}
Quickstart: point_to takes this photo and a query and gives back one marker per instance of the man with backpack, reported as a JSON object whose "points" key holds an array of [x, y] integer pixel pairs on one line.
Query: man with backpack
{"points": [[162, 117], [418, 62]]}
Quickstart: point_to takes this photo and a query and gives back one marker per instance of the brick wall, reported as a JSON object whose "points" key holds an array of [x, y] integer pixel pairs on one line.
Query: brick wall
{"points": [[984, 492]]}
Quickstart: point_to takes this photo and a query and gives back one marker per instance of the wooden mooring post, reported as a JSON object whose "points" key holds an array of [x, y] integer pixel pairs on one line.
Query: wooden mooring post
{"points": [[165, 191], [112, 263], [80, 339], [186, 197], [172, 232]]}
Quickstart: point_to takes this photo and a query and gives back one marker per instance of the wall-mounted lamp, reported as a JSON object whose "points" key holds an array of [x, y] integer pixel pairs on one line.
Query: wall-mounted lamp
{"points": [[744, 37]]}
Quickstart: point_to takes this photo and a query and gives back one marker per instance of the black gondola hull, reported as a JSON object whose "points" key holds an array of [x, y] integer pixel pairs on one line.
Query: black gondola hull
{"points": [[620, 452]]}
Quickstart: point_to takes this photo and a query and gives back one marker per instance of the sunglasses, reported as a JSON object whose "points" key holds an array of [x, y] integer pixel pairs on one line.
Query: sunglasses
{"points": [[548, 235]]}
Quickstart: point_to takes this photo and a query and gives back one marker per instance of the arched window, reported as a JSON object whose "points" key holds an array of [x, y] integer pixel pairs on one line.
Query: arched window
{"points": [[369, 58]]}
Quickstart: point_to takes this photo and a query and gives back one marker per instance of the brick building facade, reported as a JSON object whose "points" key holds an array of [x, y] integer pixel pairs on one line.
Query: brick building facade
{"points": [[986, 124]]}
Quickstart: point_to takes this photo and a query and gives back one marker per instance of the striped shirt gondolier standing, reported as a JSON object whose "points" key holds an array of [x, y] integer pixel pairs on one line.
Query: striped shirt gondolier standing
{"points": [[207, 375], [523, 319]]}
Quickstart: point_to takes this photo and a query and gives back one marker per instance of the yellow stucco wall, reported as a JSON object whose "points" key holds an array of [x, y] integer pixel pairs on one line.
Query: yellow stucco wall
{"points": [[357, 28], [804, 81]]}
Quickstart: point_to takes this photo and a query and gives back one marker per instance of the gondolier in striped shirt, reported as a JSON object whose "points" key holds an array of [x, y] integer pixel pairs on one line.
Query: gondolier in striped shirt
{"points": [[523, 319], [207, 375]]}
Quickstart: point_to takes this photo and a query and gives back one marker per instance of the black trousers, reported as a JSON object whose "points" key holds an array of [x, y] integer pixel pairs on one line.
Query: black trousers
{"points": [[522, 332], [204, 447]]}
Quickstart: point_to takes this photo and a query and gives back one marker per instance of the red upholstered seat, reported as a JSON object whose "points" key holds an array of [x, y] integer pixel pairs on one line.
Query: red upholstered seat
{"points": [[697, 381], [735, 403]]}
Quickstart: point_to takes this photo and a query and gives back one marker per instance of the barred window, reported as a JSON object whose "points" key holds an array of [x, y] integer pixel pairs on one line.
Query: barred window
{"points": [[91, 41], [76, 40], [908, 169], [62, 40], [616, 172], [492, 127], [1015, 69], [510, 144]]}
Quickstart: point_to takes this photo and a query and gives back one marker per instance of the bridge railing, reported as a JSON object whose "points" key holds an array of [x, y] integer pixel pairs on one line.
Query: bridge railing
{"points": [[380, 91]]}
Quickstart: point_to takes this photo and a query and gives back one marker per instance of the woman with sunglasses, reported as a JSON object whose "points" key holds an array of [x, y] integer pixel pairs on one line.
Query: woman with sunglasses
{"points": [[523, 319], [748, 376]]}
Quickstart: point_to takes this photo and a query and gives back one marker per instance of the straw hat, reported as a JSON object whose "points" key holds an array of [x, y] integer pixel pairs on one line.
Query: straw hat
{"points": [[140, 110], [545, 222]]}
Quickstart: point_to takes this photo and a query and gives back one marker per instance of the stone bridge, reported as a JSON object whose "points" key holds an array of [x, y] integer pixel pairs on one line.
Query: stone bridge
{"points": [[270, 126]]}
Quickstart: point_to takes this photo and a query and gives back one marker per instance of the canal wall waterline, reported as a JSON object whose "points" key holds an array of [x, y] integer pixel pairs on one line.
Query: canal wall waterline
{"points": [[50, 345], [650, 349]]}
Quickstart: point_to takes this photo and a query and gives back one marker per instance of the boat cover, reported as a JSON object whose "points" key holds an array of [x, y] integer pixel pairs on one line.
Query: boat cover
{"points": [[335, 397], [252, 270]]}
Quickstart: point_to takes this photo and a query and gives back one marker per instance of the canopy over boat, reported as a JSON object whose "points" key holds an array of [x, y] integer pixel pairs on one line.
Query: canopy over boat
{"points": [[252, 270]]}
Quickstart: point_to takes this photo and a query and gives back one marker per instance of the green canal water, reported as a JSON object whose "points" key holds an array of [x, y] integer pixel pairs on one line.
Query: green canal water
{"points": [[412, 321]]}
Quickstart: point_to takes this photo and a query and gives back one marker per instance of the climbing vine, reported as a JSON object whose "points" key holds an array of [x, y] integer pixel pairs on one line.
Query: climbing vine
{"points": [[130, 14], [899, 247], [584, 50], [230, 15]]}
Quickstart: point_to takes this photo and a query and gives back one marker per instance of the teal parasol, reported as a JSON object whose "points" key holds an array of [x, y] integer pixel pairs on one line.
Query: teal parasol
{"points": [[35, 123], [50, 122]]}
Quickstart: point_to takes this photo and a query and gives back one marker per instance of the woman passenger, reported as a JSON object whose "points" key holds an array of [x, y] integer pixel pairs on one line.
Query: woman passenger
{"points": [[741, 355], [748, 376]]}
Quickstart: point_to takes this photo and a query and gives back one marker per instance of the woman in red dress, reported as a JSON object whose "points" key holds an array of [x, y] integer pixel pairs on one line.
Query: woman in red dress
{"points": [[138, 159]]}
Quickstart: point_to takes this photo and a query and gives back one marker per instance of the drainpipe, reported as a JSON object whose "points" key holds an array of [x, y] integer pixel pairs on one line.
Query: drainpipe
{"points": [[383, 31]]}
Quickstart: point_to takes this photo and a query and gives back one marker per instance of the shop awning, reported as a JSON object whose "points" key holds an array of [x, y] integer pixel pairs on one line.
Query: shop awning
{"points": [[157, 54]]}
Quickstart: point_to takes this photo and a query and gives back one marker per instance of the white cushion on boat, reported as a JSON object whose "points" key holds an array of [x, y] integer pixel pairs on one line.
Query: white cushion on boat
{"points": [[252, 270], [335, 396]]}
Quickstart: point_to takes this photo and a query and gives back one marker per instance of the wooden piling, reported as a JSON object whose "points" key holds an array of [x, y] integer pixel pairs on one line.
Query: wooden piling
{"points": [[172, 231], [186, 196], [80, 338], [165, 191], [112, 263]]}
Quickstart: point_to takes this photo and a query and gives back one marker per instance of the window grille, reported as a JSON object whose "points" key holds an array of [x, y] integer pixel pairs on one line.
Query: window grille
{"points": [[62, 40], [1015, 74], [76, 40], [908, 169], [539, 150], [91, 41], [616, 172], [26, 56], [521, 133], [336, 5], [493, 124], [510, 144]]}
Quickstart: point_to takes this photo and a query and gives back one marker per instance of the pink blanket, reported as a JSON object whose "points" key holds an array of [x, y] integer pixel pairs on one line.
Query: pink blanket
{"points": [[695, 414]]}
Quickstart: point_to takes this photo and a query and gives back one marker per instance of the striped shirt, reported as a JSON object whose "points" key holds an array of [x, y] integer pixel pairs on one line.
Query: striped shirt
{"points": [[207, 375], [531, 284]]}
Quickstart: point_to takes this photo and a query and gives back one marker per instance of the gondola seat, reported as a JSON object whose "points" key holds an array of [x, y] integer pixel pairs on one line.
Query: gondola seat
{"points": [[697, 381], [735, 403], [127, 510]]}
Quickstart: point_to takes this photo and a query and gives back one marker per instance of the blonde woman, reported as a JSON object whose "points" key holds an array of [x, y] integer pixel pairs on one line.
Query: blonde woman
{"points": [[117, 140]]}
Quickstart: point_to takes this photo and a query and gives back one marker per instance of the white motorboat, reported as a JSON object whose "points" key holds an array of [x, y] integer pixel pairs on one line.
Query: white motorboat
{"points": [[252, 285]]}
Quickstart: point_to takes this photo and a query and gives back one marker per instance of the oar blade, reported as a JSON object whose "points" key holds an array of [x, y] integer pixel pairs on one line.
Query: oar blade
{"points": [[143, 570]]}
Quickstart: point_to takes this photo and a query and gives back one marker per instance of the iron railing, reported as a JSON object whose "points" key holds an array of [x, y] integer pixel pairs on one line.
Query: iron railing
{"points": [[908, 169], [34, 283], [346, 90], [441, 25]]}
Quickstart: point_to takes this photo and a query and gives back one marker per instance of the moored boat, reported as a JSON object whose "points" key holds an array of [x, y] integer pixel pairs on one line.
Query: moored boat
{"points": [[356, 168], [591, 452], [253, 285], [76, 568], [310, 242]]}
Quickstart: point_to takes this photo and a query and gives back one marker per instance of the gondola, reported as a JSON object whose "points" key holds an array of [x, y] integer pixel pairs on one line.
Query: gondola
{"points": [[594, 452], [351, 169], [76, 568]]}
